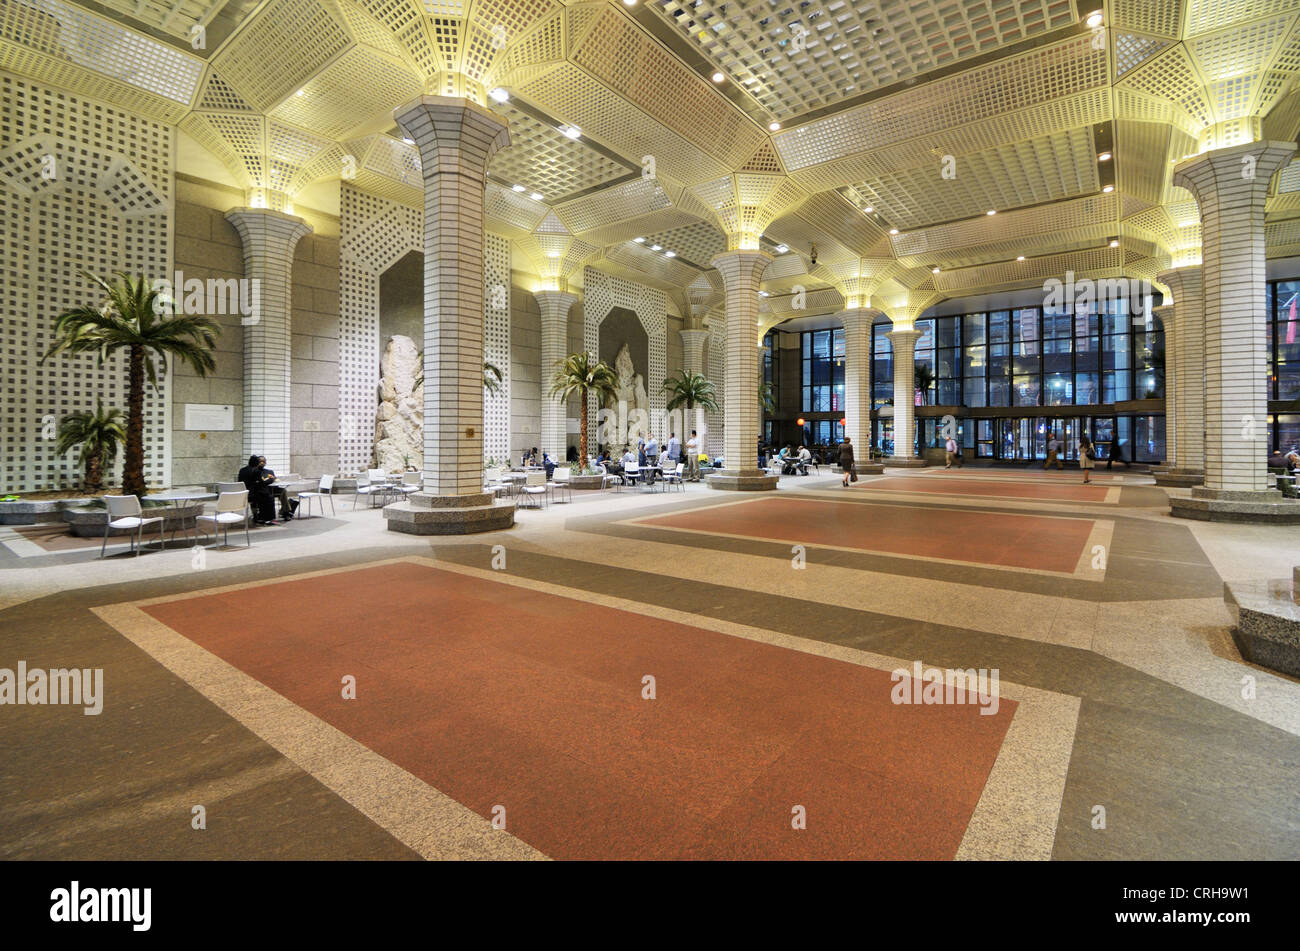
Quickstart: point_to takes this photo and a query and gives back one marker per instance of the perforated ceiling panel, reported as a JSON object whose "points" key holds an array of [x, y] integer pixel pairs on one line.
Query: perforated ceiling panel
{"points": [[792, 59], [333, 103], [545, 161]]}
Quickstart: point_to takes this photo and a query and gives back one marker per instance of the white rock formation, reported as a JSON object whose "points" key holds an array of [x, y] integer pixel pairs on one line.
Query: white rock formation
{"points": [[399, 423]]}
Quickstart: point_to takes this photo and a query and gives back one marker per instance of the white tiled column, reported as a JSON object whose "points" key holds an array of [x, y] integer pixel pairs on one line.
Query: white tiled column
{"points": [[716, 363], [1230, 186], [857, 323], [904, 342], [269, 238], [693, 349], [456, 138], [554, 306], [1169, 321], [741, 272], [1185, 283]]}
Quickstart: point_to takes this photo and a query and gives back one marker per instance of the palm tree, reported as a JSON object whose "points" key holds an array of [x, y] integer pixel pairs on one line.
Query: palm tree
{"points": [[577, 375], [922, 380], [690, 390], [766, 399], [491, 379], [98, 433], [128, 320]]}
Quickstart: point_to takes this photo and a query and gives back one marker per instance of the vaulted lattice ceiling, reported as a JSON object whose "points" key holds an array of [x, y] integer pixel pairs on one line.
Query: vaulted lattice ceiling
{"points": [[917, 117]]}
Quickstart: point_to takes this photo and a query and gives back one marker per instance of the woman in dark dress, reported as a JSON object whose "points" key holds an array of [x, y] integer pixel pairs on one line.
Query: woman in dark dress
{"points": [[846, 461]]}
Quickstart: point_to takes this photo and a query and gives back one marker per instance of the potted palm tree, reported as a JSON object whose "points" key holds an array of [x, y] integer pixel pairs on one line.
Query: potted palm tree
{"points": [[688, 390], [97, 435], [128, 321], [577, 375], [923, 379]]}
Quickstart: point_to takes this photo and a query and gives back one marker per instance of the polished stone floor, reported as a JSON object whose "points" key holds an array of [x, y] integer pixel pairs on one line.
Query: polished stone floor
{"points": [[692, 674]]}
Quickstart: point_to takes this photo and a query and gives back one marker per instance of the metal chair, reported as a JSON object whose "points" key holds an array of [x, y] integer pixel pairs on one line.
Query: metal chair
{"points": [[376, 484], [411, 482], [607, 479], [124, 511], [536, 487], [232, 508], [673, 476], [560, 482], [323, 491]]}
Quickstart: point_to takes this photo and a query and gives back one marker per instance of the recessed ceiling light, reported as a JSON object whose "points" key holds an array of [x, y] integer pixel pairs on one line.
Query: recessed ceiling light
{"points": [[1095, 19], [516, 188], [781, 249], [301, 92], [1108, 189], [893, 231], [869, 209], [536, 196], [991, 211], [1020, 258], [629, 3], [764, 294], [656, 247], [773, 126], [639, 240], [1104, 157], [499, 94], [670, 254], [718, 77], [934, 270], [408, 140], [1114, 242], [572, 131]]}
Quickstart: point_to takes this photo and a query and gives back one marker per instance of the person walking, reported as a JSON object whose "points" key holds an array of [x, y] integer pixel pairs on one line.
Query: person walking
{"points": [[1053, 453], [846, 462], [1087, 457], [950, 450]]}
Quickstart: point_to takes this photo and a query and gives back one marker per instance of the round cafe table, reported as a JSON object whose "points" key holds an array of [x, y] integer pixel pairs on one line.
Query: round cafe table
{"points": [[177, 501]]}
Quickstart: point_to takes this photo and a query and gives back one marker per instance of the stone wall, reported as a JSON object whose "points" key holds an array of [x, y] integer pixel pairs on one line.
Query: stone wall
{"points": [[314, 368], [525, 372]]}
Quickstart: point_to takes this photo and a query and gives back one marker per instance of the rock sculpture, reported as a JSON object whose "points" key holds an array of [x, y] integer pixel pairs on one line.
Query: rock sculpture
{"points": [[399, 422]]}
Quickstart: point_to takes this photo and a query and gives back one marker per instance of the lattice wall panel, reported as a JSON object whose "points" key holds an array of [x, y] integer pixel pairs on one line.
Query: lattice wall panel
{"points": [[107, 209], [496, 345], [601, 294]]}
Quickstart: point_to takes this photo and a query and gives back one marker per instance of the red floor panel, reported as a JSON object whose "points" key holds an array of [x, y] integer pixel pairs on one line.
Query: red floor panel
{"points": [[983, 538], [496, 694], [965, 485]]}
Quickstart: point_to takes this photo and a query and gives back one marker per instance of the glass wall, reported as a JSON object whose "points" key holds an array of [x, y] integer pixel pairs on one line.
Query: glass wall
{"points": [[823, 371]]}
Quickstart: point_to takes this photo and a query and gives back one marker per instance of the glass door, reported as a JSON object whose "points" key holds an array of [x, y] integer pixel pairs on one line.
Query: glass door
{"points": [[984, 438]]}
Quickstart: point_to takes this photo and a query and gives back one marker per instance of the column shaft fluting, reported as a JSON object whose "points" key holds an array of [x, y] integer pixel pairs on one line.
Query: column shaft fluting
{"points": [[857, 378], [1188, 354], [554, 306], [1169, 321], [904, 342]]}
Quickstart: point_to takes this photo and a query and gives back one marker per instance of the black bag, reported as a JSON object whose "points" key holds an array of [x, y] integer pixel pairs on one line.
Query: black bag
{"points": [[853, 475], [1090, 453]]}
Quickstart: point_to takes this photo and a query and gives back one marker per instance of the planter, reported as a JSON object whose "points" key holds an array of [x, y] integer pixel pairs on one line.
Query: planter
{"points": [[33, 512], [89, 523], [585, 481]]}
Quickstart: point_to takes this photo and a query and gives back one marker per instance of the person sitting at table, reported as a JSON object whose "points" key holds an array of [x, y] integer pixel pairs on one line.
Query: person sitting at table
{"points": [[548, 464], [278, 492], [1292, 460], [805, 458], [629, 459], [260, 498]]}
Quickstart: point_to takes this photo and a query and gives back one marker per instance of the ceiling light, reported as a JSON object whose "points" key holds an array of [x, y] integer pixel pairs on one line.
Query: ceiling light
{"points": [[1020, 258], [516, 188], [868, 209], [893, 231], [1104, 157], [718, 77], [934, 270], [1094, 20], [639, 240], [572, 131], [670, 254], [499, 94], [536, 196], [1114, 242], [656, 247], [408, 140], [764, 294], [301, 92], [781, 249], [773, 126], [629, 3], [991, 211], [1108, 189]]}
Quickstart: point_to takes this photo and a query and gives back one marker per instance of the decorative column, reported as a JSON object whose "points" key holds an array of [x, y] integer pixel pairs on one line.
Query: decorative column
{"points": [[554, 306], [1230, 186], [904, 342], [741, 272], [1185, 283], [693, 349], [857, 323], [456, 138], [269, 238], [1168, 321]]}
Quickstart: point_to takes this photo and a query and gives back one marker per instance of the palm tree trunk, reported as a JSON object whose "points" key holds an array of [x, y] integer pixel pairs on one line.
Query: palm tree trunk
{"points": [[94, 472], [582, 432], [133, 457]]}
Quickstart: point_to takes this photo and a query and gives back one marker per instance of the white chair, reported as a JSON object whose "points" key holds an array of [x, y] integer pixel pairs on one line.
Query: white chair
{"points": [[632, 472], [232, 509], [324, 491], [376, 484], [536, 488], [560, 483], [411, 482], [124, 511], [607, 479], [673, 476]]}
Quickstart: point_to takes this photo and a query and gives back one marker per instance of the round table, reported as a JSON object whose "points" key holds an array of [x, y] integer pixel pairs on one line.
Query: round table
{"points": [[177, 499]]}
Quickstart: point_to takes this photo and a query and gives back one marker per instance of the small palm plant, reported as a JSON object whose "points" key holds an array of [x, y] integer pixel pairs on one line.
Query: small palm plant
{"points": [[766, 399], [578, 375], [133, 319], [97, 434], [922, 380], [491, 379], [690, 390]]}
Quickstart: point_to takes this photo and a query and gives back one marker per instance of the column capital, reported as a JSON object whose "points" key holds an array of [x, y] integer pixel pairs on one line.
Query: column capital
{"points": [[1183, 282], [1168, 315], [858, 315], [453, 135], [555, 302], [905, 338], [739, 266], [1207, 174], [258, 227]]}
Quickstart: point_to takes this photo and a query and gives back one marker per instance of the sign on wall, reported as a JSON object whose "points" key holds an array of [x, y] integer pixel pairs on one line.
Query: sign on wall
{"points": [[209, 417]]}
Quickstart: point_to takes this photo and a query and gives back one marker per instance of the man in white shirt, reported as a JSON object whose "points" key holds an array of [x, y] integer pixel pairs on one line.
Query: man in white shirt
{"points": [[950, 447], [805, 457], [693, 458], [651, 449]]}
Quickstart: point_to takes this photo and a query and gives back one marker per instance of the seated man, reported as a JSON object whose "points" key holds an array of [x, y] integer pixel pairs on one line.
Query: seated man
{"points": [[260, 499], [629, 459], [277, 491], [805, 457]]}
